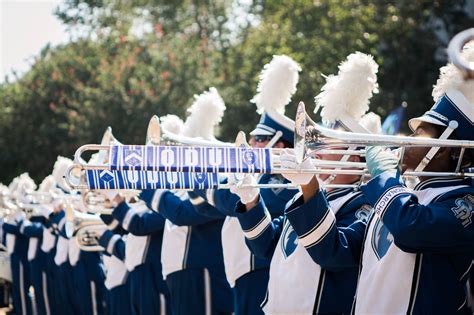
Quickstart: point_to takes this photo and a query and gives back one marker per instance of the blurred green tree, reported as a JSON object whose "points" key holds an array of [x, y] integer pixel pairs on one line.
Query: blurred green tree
{"points": [[132, 59]]}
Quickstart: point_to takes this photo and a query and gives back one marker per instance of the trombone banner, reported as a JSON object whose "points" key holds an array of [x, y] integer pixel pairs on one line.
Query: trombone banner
{"points": [[190, 159], [133, 179]]}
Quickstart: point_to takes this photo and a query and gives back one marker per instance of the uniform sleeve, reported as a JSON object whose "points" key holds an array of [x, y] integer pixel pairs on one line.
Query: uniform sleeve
{"points": [[204, 208], [139, 224], [261, 232], [275, 199], [32, 229], [439, 227], [333, 243], [113, 244], [222, 199], [180, 212], [11, 228]]}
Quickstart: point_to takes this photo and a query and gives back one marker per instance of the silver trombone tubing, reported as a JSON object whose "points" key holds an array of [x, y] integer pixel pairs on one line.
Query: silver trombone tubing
{"points": [[319, 138], [454, 52], [168, 136]]}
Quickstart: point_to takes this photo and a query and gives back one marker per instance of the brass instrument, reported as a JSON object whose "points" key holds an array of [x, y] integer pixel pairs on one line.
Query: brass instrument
{"points": [[86, 228], [454, 52]]}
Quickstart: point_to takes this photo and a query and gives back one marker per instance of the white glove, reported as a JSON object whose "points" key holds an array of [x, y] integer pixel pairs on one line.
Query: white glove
{"points": [[44, 210], [58, 203], [111, 194], [18, 216], [288, 161], [246, 194]]}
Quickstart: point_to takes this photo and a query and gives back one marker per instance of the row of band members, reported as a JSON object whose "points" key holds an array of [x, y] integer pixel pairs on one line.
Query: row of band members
{"points": [[382, 248]]}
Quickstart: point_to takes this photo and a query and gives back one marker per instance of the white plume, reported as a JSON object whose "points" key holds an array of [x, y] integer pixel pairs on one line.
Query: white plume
{"points": [[350, 90], [59, 171], [204, 114], [277, 84], [452, 78], [14, 184], [172, 123], [96, 158], [21, 184], [3, 189], [47, 184], [372, 122]]}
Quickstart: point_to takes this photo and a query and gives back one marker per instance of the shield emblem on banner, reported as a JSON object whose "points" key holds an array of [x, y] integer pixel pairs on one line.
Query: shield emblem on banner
{"points": [[249, 157], [132, 157], [106, 176], [199, 178]]}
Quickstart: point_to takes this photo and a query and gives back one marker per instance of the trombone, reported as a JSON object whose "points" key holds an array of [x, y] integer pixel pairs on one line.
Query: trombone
{"points": [[97, 203], [86, 228], [154, 138], [454, 52]]}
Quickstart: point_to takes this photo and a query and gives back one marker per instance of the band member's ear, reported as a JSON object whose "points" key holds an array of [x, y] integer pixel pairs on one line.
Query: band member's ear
{"points": [[355, 158], [279, 145]]}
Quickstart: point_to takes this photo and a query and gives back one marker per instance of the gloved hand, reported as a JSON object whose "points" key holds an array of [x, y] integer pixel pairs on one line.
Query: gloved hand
{"points": [[379, 160], [17, 216], [45, 210], [111, 194], [246, 194], [58, 204], [288, 161]]}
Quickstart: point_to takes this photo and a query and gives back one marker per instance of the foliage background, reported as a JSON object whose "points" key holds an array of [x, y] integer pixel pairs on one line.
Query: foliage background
{"points": [[137, 58]]}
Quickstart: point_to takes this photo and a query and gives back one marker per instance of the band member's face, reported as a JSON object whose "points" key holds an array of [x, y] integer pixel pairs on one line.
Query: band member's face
{"points": [[258, 142], [334, 157], [414, 155]]}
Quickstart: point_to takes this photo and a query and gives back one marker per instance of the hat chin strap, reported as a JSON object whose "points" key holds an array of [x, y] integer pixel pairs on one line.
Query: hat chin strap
{"points": [[351, 124], [432, 152], [274, 139]]}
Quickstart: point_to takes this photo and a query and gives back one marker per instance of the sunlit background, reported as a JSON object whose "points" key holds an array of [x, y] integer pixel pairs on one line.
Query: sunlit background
{"points": [[71, 68]]}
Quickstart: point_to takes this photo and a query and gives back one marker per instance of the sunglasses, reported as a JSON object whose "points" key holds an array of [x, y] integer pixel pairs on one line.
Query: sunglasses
{"points": [[261, 138]]}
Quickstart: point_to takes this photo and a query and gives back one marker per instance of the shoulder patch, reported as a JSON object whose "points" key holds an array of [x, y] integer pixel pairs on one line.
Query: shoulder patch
{"points": [[289, 240], [363, 213], [382, 239], [463, 209]]}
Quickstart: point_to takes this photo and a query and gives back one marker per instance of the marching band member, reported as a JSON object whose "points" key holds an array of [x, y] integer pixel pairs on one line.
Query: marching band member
{"points": [[17, 245], [192, 256], [246, 273], [5, 287], [148, 291], [298, 285], [41, 253], [81, 272], [415, 251], [424, 234], [192, 251], [118, 297], [64, 277], [33, 230]]}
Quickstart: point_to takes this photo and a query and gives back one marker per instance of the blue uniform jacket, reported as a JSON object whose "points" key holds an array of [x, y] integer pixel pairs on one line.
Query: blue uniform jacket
{"points": [[144, 224], [225, 202], [204, 247], [441, 231], [337, 284]]}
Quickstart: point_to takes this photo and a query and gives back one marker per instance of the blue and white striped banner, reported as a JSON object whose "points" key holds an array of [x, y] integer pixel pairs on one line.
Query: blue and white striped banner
{"points": [[133, 179], [190, 159]]}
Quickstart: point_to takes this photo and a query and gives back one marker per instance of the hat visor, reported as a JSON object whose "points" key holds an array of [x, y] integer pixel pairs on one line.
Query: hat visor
{"points": [[261, 132], [415, 122]]}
